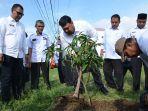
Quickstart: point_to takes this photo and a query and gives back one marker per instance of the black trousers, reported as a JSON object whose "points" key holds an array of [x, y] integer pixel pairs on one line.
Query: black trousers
{"points": [[134, 65], [71, 74], [146, 76], [35, 74], [11, 77], [61, 74], [25, 76], [144, 57], [113, 72]]}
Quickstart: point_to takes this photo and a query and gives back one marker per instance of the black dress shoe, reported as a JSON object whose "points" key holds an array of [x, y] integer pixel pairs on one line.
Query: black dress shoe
{"points": [[104, 90]]}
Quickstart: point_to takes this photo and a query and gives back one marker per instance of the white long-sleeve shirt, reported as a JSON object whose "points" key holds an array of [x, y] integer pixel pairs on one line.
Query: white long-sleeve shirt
{"points": [[80, 27], [110, 38], [12, 37], [136, 32], [142, 43]]}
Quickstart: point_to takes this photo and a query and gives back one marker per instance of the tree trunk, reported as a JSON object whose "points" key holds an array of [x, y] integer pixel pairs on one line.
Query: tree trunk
{"points": [[76, 94]]}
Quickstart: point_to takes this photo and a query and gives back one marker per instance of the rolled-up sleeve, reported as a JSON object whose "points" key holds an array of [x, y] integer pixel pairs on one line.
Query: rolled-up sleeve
{"points": [[90, 31]]}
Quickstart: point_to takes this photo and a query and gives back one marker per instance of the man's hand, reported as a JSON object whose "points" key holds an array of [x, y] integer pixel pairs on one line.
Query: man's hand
{"points": [[1, 58], [102, 52], [27, 61]]}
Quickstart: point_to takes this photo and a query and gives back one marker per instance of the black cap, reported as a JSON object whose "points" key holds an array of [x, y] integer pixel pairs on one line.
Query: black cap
{"points": [[142, 16]]}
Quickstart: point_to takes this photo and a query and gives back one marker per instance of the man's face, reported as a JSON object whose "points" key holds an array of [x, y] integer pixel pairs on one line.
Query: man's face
{"points": [[69, 28], [39, 27], [141, 23], [17, 14], [131, 50], [115, 22]]}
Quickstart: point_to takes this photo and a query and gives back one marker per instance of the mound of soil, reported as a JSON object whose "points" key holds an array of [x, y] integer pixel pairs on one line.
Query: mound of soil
{"points": [[116, 105], [69, 103]]}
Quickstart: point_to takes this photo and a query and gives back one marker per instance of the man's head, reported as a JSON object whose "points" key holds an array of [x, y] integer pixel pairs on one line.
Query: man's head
{"points": [[17, 12], [67, 25], [141, 20], [39, 26], [127, 47], [115, 21]]}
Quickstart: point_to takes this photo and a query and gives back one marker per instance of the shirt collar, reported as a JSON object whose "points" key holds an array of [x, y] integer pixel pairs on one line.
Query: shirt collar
{"points": [[142, 28], [11, 19], [39, 34], [114, 29]]}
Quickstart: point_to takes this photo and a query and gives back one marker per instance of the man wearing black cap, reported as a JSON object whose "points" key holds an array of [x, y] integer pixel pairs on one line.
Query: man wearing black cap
{"points": [[135, 64]]}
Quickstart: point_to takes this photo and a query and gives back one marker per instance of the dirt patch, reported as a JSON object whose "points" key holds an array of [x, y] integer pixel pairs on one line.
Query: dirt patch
{"points": [[117, 105], [68, 103]]}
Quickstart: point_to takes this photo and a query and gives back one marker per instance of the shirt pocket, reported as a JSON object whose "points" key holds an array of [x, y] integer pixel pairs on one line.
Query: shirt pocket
{"points": [[34, 41], [44, 41], [11, 30]]}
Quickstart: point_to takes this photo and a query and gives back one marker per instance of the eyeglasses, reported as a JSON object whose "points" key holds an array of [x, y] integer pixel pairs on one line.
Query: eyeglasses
{"points": [[19, 13], [40, 26]]}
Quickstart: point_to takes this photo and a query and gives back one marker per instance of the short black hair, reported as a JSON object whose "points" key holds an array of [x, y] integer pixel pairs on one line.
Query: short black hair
{"points": [[115, 16], [39, 21], [16, 6], [129, 40], [64, 20]]}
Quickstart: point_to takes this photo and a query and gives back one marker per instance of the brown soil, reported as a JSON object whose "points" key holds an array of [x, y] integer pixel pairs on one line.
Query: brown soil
{"points": [[117, 105], [68, 103]]}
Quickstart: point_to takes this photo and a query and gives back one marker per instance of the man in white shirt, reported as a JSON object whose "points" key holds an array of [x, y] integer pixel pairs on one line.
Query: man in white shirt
{"points": [[133, 47], [112, 67], [70, 30], [135, 64], [12, 40], [38, 43]]}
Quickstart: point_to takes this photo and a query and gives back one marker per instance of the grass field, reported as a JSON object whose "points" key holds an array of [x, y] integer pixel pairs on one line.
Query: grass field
{"points": [[44, 99]]}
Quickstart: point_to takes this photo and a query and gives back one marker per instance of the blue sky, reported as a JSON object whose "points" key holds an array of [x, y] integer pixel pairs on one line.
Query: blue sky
{"points": [[96, 12]]}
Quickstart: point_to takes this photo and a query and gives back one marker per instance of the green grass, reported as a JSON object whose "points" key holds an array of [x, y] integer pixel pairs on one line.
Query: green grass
{"points": [[44, 99]]}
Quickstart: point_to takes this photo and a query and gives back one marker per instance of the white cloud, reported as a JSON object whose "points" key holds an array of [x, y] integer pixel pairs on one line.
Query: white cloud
{"points": [[103, 23], [29, 30], [126, 23]]}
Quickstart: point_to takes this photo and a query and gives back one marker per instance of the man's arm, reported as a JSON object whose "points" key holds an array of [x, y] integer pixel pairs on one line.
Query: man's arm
{"points": [[29, 43], [91, 32], [29, 57], [2, 35]]}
